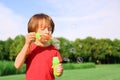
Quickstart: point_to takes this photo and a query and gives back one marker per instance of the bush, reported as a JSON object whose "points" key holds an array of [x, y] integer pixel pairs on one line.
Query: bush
{"points": [[21, 70], [1, 68], [79, 65], [7, 68]]}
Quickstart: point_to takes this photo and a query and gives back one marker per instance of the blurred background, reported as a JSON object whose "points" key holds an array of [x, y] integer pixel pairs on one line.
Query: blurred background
{"points": [[86, 33], [73, 18]]}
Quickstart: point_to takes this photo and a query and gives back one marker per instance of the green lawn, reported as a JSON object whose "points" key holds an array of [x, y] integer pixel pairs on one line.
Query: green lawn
{"points": [[101, 72]]}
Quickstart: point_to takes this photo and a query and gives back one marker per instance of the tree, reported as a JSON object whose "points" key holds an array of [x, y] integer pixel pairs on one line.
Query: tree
{"points": [[1, 50], [1, 54], [89, 48], [16, 46], [64, 47], [7, 45]]}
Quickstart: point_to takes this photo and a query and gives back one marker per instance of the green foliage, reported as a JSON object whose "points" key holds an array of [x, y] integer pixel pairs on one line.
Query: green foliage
{"points": [[16, 46], [1, 50], [7, 68], [64, 46], [7, 45], [1, 55], [100, 51]]}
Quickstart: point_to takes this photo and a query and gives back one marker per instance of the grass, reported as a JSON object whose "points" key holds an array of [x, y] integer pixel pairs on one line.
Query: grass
{"points": [[13, 77], [79, 66], [101, 72]]}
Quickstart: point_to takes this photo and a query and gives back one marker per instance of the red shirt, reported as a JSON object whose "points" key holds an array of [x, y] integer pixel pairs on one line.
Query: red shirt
{"points": [[39, 62]]}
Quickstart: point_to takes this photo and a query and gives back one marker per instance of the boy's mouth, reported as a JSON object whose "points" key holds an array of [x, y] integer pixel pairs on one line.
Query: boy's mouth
{"points": [[46, 37]]}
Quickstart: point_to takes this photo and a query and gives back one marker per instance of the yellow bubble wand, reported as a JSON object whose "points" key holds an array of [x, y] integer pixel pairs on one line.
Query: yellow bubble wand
{"points": [[55, 63]]}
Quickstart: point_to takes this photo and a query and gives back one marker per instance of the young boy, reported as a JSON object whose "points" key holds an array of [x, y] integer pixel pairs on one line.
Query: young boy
{"points": [[37, 53]]}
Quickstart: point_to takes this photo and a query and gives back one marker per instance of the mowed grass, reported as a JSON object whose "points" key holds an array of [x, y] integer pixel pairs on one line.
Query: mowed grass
{"points": [[101, 72]]}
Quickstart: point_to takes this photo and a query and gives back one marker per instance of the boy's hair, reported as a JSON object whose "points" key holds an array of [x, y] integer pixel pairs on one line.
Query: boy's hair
{"points": [[34, 22]]}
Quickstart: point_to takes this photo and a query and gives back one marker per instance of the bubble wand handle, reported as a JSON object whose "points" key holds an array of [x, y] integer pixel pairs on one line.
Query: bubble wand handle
{"points": [[55, 63]]}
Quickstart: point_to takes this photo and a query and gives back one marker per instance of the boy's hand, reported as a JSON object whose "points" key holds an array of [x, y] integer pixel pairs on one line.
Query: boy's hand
{"points": [[30, 37], [59, 68]]}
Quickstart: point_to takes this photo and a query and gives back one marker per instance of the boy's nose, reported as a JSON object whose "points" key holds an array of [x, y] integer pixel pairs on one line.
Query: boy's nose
{"points": [[46, 30]]}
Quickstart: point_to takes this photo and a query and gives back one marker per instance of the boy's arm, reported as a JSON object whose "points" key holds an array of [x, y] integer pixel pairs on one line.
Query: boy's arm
{"points": [[19, 61], [25, 50]]}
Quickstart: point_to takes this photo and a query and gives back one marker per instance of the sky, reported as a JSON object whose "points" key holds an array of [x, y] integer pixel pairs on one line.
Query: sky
{"points": [[73, 18]]}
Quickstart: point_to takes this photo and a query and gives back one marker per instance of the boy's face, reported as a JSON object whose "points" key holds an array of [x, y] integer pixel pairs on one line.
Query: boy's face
{"points": [[44, 29]]}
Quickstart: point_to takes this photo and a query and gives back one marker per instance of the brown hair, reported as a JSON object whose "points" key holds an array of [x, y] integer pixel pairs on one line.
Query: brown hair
{"points": [[33, 23]]}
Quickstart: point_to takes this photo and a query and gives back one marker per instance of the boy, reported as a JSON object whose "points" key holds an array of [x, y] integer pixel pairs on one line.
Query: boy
{"points": [[37, 53]]}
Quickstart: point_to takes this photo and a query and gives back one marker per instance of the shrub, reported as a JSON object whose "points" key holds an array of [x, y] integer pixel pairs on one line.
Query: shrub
{"points": [[7, 68], [21, 70]]}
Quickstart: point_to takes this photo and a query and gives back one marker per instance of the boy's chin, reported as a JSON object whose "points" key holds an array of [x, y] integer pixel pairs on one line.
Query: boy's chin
{"points": [[44, 41]]}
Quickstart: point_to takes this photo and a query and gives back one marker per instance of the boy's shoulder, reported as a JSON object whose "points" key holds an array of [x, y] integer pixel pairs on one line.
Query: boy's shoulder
{"points": [[33, 46], [52, 46]]}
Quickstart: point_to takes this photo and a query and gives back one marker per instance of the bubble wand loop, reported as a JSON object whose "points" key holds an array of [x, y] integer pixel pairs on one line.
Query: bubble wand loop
{"points": [[38, 36]]}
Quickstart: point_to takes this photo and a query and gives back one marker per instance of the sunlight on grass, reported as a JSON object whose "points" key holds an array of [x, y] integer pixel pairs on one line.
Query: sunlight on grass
{"points": [[13, 77], [101, 72]]}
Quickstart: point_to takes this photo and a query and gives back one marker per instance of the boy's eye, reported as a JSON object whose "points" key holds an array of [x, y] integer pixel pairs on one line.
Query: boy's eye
{"points": [[42, 28], [49, 29]]}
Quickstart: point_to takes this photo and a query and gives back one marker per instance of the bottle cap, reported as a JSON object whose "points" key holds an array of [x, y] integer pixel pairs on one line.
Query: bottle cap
{"points": [[55, 60]]}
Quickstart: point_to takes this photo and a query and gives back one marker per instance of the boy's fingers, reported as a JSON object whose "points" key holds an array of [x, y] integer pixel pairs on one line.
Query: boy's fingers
{"points": [[59, 68]]}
